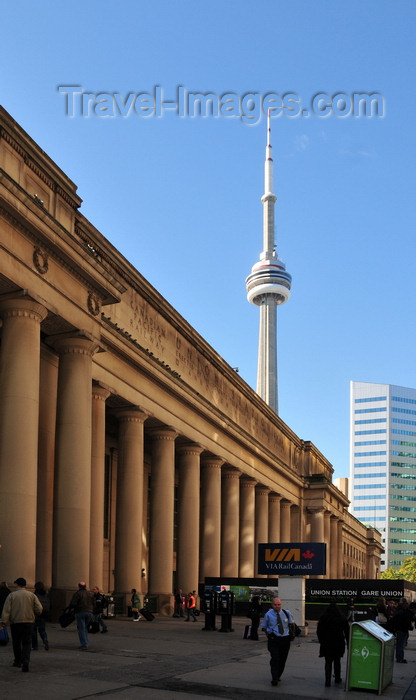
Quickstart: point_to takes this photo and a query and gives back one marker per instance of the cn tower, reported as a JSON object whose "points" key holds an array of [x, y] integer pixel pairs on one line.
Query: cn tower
{"points": [[268, 286]]}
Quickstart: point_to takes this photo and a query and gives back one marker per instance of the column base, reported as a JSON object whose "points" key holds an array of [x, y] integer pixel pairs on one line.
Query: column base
{"points": [[164, 603], [60, 599]]}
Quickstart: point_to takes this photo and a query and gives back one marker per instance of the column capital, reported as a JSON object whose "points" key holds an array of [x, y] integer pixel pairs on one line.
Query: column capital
{"points": [[262, 490], [285, 504], [22, 307], [230, 473], [74, 345], [211, 462], [247, 482], [275, 497], [100, 392], [131, 414], [189, 448], [165, 432], [314, 510]]}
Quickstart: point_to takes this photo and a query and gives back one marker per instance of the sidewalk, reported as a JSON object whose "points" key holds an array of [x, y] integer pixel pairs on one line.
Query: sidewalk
{"points": [[169, 659]]}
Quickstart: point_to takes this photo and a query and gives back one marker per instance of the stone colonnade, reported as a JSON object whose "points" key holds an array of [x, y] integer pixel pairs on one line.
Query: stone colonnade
{"points": [[51, 516]]}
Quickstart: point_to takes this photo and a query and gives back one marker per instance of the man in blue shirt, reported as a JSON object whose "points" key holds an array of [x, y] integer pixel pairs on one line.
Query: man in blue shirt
{"points": [[277, 626]]}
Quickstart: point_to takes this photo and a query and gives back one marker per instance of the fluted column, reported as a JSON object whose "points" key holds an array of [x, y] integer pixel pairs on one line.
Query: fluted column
{"points": [[19, 420], [187, 564], [99, 396], [230, 507], [210, 539], [327, 540], [262, 523], [46, 465], [285, 507], [129, 508], [247, 527], [161, 516], [334, 554], [73, 463], [274, 517]]}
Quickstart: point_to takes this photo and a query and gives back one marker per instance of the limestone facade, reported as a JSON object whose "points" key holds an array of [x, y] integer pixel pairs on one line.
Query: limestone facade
{"points": [[131, 453]]}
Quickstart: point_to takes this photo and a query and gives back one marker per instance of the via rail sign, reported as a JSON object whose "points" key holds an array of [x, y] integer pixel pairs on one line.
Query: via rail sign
{"points": [[292, 558]]}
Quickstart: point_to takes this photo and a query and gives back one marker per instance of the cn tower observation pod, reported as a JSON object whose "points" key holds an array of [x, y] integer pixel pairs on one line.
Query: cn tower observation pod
{"points": [[269, 279]]}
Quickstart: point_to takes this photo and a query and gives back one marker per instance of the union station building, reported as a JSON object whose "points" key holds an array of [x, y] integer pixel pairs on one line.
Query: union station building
{"points": [[131, 453]]}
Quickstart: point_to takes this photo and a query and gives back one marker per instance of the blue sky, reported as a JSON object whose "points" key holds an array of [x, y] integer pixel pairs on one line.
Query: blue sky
{"points": [[180, 196]]}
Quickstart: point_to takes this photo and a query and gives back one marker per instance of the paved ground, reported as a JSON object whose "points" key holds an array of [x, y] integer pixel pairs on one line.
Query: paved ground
{"points": [[170, 659]]}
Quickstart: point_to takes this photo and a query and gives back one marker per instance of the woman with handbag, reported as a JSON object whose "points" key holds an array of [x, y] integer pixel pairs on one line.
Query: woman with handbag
{"points": [[135, 605], [382, 612]]}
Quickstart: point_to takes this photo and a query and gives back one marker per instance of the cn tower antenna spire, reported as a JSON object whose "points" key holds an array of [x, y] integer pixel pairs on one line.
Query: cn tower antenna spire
{"points": [[268, 286]]}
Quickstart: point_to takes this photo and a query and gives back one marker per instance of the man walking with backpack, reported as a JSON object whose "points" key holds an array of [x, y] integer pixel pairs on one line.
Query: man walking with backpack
{"points": [[278, 625]]}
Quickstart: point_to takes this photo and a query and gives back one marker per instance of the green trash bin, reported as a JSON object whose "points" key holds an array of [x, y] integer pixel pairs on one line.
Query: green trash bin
{"points": [[370, 657]]}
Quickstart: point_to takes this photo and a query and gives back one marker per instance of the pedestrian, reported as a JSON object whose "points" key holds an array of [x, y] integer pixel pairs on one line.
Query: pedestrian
{"points": [[179, 604], [20, 609], [278, 625], [135, 605], [99, 605], [4, 592], [333, 634], [39, 624], [190, 607], [350, 614], [83, 604], [254, 613], [402, 623], [382, 615]]}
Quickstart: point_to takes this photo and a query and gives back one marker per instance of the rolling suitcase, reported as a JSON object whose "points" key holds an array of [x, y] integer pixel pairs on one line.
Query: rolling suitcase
{"points": [[247, 631], [146, 614]]}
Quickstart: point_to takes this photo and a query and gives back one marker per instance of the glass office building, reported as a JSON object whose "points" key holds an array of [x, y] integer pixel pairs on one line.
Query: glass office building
{"points": [[383, 465]]}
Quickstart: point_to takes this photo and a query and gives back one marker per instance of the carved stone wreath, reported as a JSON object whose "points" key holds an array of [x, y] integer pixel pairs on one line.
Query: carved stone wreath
{"points": [[93, 304], [40, 260]]}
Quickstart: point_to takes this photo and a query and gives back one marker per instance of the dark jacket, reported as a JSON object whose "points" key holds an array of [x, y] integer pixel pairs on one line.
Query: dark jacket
{"points": [[402, 620], [333, 633], [83, 601]]}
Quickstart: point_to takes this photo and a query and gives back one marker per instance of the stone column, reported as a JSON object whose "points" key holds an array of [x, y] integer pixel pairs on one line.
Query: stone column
{"points": [[285, 507], [99, 396], [46, 465], [317, 524], [187, 564], [210, 538], [327, 540], [71, 560], [161, 517], [274, 518], [113, 518], [262, 523], [19, 420], [340, 559], [334, 554], [295, 528], [230, 507], [129, 503], [247, 527], [317, 527]]}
